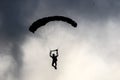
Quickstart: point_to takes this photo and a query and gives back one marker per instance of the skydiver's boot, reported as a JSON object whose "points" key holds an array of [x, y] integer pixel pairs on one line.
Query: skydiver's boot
{"points": [[55, 67]]}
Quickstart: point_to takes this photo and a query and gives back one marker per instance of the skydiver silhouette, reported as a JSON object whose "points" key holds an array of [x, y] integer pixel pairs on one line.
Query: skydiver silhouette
{"points": [[54, 58]]}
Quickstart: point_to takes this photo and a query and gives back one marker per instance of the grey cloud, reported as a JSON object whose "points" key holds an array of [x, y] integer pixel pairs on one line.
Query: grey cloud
{"points": [[13, 30], [87, 8]]}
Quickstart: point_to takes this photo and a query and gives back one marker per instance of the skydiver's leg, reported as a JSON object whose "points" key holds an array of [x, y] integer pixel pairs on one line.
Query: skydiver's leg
{"points": [[55, 65], [52, 63]]}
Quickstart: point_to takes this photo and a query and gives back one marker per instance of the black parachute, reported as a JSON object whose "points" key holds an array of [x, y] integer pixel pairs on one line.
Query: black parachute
{"points": [[45, 20]]}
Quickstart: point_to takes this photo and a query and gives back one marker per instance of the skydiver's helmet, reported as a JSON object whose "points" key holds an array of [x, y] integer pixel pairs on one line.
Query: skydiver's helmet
{"points": [[53, 54]]}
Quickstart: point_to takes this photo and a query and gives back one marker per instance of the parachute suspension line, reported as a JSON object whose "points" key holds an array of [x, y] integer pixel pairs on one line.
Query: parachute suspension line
{"points": [[41, 22]]}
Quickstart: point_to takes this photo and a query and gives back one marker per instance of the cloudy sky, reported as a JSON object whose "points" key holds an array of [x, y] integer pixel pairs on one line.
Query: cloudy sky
{"points": [[89, 52]]}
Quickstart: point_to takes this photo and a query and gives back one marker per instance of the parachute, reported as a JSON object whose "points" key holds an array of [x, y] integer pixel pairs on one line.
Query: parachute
{"points": [[45, 20]]}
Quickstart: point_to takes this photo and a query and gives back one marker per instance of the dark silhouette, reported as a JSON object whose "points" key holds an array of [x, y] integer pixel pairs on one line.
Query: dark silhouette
{"points": [[54, 58], [45, 20], [41, 22]]}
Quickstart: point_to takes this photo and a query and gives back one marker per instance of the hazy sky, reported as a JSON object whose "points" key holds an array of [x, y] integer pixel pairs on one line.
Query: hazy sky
{"points": [[89, 52]]}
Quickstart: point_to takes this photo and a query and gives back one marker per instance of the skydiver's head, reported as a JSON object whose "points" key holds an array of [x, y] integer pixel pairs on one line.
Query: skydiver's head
{"points": [[53, 54]]}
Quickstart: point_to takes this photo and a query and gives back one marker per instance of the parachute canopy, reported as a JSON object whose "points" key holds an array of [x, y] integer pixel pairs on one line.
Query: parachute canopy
{"points": [[45, 20]]}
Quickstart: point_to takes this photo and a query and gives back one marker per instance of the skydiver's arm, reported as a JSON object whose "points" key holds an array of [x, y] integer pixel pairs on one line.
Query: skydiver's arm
{"points": [[57, 52], [50, 53]]}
